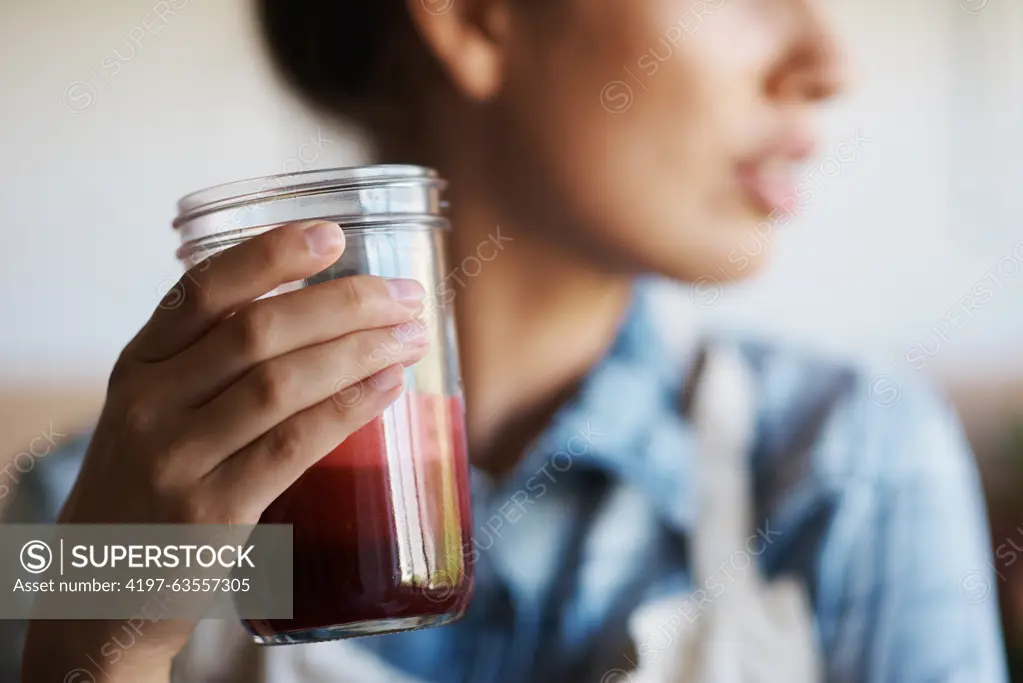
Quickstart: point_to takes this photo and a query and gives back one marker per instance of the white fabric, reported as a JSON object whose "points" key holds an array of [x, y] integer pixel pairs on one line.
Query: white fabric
{"points": [[734, 628]]}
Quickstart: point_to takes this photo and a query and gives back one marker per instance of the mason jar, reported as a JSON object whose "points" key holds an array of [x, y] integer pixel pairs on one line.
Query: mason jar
{"points": [[382, 523]]}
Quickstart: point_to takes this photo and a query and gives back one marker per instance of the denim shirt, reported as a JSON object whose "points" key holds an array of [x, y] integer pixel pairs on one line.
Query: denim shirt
{"points": [[867, 494]]}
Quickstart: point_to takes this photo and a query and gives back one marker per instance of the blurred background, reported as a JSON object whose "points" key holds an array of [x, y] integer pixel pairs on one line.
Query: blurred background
{"points": [[909, 250]]}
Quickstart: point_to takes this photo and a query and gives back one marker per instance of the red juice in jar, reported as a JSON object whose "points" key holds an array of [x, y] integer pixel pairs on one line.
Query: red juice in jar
{"points": [[381, 525], [371, 549]]}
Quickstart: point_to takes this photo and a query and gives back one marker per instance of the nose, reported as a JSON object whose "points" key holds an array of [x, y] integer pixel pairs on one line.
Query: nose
{"points": [[814, 66]]}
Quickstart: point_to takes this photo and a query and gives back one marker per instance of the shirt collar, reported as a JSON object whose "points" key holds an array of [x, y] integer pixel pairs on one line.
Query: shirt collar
{"points": [[625, 419]]}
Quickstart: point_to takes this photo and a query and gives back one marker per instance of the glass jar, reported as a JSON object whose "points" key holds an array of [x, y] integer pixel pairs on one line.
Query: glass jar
{"points": [[382, 523]]}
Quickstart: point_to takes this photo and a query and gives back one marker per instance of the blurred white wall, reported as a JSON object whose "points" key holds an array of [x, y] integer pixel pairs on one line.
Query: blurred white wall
{"points": [[112, 111]]}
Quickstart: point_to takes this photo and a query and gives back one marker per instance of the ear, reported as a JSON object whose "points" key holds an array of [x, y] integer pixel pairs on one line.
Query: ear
{"points": [[468, 37]]}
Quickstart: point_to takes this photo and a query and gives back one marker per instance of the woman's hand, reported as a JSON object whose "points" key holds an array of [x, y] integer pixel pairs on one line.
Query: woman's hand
{"points": [[222, 401]]}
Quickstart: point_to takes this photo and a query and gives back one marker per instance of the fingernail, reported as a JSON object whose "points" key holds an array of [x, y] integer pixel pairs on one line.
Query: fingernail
{"points": [[406, 291], [390, 378], [324, 238], [411, 333]]}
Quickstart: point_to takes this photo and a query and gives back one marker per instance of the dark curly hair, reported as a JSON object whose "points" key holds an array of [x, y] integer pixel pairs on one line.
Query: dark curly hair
{"points": [[359, 59]]}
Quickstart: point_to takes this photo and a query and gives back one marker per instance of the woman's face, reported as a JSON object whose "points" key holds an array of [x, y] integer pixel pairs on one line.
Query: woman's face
{"points": [[658, 135]]}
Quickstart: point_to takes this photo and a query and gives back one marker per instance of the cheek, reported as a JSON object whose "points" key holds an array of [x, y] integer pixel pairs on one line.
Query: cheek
{"points": [[672, 121], [696, 92], [633, 126]]}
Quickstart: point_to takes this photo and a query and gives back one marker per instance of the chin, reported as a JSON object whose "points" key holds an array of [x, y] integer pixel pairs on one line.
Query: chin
{"points": [[719, 272], [740, 265], [731, 252]]}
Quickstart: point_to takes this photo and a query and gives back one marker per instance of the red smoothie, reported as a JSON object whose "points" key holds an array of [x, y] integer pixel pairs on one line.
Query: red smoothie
{"points": [[382, 525]]}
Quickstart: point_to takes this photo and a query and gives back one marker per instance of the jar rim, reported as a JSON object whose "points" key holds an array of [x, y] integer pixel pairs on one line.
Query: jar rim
{"points": [[216, 242], [240, 192]]}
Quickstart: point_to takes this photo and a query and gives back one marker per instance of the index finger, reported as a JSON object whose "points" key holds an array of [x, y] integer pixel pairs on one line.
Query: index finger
{"points": [[215, 288]]}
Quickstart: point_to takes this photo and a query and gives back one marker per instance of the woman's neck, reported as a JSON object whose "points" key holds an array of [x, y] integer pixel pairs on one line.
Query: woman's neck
{"points": [[533, 317], [532, 321]]}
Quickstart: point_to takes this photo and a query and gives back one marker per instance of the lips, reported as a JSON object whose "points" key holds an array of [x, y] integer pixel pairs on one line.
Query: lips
{"points": [[771, 186], [769, 179]]}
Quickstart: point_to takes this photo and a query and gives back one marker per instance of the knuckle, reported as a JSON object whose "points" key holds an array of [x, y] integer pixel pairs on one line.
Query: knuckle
{"points": [[253, 329], [355, 292], [349, 397], [283, 443], [273, 385], [360, 293], [370, 349], [363, 405], [271, 250], [138, 415], [402, 337]]}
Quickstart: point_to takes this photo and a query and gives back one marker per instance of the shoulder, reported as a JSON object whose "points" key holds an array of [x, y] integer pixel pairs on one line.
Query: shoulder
{"points": [[859, 470], [838, 422]]}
